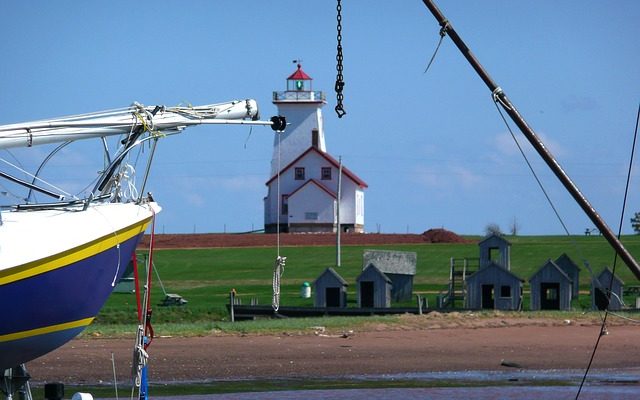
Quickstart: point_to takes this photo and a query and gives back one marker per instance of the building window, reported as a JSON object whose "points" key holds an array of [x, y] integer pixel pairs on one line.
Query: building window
{"points": [[299, 173], [284, 207], [326, 173], [505, 291], [311, 216]]}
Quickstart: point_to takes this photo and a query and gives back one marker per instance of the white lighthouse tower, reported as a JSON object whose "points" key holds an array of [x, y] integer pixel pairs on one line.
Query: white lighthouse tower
{"points": [[302, 108], [303, 193]]}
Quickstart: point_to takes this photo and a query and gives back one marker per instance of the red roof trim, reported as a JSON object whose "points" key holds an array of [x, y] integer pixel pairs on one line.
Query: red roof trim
{"points": [[331, 160], [299, 75], [318, 184]]}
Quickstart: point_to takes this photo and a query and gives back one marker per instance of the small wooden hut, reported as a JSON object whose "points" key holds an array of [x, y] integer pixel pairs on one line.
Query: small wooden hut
{"points": [[493, 287], [600, 294], [551, 288], [495, 248], [398, 266], [374, 288], [572, 270], [330, 290]]}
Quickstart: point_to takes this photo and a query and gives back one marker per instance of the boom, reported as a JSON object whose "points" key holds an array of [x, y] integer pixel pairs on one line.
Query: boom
{"points": [[156, 119]]}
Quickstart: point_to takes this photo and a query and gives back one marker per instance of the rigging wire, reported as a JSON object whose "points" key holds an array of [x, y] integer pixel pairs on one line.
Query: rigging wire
{"points": [[603, 327], [544, 191], [443, 33]]}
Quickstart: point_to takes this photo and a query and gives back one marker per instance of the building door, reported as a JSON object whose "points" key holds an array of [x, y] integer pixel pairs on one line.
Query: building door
{"points": [[332, 296], [488, 297], [549, 296], [366, 294]]}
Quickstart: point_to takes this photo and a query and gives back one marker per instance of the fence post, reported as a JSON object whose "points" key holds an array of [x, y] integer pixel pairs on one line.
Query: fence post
{"points": [[232, 302]]}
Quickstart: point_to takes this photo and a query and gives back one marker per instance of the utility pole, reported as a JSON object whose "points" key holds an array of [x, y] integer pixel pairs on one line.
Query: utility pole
{"points": [[338, 228]]}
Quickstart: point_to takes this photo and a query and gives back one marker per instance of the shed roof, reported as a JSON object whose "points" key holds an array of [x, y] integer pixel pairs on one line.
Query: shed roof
{"points": [[493, 265], [566, 263], [551, 264], [494, 237], [390, 261], [376, 271], [333, 274], [607, 271]]}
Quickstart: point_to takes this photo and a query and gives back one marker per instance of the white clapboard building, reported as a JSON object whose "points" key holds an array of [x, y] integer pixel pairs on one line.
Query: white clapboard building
{"points": [[302, 192]]}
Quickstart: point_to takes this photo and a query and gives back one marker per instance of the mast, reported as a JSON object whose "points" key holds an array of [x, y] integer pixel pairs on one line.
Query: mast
{"points": [[535, 141]]}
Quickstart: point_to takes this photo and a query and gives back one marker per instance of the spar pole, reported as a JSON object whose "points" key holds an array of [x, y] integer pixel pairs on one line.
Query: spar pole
{"points": [[535, 141]]}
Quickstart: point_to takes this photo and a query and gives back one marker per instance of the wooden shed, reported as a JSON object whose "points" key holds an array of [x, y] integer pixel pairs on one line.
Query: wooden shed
{"points": [[599, 294], [374, 288], [493, 287], [551, 288], [398, 266], [330, 290], [572, 270], [495, 248]]}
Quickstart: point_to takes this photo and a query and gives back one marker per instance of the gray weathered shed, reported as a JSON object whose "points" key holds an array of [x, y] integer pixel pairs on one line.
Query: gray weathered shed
{"points": [[599, 295], [572, 270], [374, 288], [495, 248], [493, 287], [399, 266], [551, 288], [330, 290]]}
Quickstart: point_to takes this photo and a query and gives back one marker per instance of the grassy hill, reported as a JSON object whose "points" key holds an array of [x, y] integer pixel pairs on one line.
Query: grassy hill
{"points": [[205, 276]]}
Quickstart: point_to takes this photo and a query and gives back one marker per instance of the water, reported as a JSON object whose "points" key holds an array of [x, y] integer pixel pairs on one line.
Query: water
{"points": [[493, 393], [516, 384]]}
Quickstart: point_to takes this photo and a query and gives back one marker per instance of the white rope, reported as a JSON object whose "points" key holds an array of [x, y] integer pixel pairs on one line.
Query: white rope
{"points": [[278, 268]]}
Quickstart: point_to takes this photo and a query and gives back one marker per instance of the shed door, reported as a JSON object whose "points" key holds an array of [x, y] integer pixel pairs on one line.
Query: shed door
{"points": [[366, 294], [549, 296], [487, 297], [332, 296]]}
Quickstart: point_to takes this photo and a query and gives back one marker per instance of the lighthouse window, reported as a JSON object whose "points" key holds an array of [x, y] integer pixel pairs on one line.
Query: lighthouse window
{"points": [[326, 173], [299, 85], [299, 174]]}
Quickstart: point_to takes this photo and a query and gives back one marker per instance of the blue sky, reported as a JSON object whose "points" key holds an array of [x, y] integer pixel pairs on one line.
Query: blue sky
{"points": [[432, 147]]}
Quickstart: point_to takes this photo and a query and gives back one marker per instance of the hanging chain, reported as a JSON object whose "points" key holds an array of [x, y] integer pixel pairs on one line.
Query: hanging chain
{"points": [[339, 78]]}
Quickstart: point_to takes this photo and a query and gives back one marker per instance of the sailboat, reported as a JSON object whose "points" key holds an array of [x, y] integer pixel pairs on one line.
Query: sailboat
{"points": [[60, 260]]}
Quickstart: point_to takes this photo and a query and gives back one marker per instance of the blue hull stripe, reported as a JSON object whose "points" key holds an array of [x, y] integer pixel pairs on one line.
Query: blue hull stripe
{"points": [[36, 306]]}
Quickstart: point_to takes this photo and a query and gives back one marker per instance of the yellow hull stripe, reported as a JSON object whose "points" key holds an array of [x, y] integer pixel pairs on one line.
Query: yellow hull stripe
{"points": [[72, 255], [47, 329]]}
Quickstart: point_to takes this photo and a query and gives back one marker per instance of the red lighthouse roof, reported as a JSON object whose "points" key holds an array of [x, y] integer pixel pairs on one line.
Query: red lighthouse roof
{"points": [[299, 75]]}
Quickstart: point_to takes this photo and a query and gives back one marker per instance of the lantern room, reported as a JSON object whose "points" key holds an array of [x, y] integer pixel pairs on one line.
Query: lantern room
{"points": [[299, 81], [299, 89]]}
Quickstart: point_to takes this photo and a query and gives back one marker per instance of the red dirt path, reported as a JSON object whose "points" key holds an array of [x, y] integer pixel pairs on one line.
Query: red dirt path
{"points": [[204, 240]]}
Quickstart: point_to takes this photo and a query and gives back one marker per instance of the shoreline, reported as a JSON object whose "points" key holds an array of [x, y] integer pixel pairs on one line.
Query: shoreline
{"points": [[421, 347]]}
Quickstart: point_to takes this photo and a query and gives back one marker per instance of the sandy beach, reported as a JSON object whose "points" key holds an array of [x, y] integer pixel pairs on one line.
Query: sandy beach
{"points": [[427, 343]]}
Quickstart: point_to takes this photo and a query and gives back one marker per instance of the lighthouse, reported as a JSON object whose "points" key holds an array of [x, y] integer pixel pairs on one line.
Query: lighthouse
{"points": [[301, 106], [302, 192]]}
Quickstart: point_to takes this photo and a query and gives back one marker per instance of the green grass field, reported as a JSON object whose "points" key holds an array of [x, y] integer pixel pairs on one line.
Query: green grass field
{"points": [[205, 276]]}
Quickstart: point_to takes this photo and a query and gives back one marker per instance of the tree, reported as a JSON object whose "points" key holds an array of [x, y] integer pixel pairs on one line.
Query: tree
{"points": [[492, 229], [514, 227], [635, 222]]}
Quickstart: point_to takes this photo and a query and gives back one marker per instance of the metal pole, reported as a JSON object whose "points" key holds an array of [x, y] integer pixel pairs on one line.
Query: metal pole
{"points": [[339, 229], [535, 141]]}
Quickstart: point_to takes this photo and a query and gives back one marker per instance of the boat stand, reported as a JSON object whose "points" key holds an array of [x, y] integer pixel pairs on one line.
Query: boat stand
{"points": [[15, 383]]}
